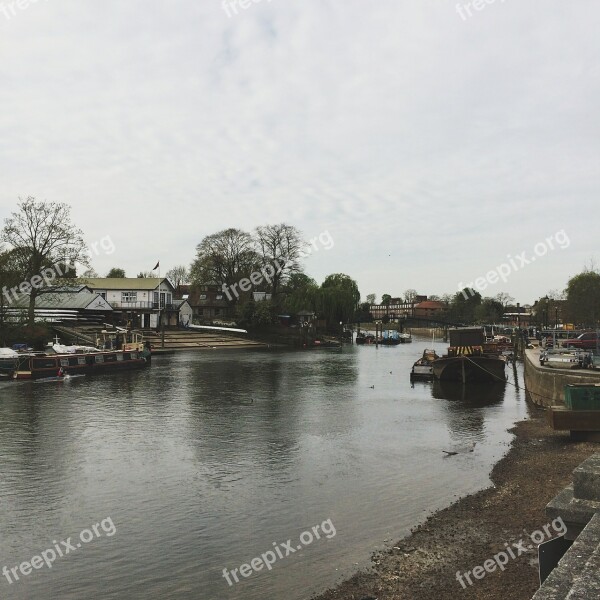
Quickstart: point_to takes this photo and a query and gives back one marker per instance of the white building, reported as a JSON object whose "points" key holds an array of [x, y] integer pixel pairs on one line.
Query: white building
{"points": [[145, 301]]}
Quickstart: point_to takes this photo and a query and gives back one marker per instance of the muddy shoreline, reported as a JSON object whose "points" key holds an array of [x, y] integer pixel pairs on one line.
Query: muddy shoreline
{"points": [[423, 566]]}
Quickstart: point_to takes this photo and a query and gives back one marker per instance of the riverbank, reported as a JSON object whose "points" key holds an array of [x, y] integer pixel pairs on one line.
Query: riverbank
{"points": [[423, 565]]}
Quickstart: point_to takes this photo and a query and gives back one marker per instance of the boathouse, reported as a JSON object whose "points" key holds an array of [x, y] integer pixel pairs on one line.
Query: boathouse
{"points": [[145, 302]]}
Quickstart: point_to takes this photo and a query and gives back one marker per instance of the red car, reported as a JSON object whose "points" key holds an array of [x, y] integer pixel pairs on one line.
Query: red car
{"points": [[585, 341]]}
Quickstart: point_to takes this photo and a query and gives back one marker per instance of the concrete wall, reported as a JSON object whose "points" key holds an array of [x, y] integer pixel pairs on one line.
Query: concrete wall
{"points": [[546, 385]]}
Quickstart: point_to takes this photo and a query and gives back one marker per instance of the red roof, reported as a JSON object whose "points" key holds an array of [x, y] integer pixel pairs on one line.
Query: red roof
{"points": [[431, 304]]}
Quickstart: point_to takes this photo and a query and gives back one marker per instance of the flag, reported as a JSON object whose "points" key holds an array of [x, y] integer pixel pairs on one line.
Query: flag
{"points": [[157, 265]]}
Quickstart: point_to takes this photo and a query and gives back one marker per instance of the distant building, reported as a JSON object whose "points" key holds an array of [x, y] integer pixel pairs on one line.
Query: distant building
{"points": [[396, 309], [516, 319], [209, 302], [145, 301], [261, 296], [184, 313], [429, 308]]}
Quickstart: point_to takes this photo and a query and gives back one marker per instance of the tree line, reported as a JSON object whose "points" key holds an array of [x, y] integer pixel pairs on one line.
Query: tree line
{"points": [[39, 237]]}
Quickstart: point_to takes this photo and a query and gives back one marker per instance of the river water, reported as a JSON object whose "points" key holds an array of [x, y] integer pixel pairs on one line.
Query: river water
{"points": [[205, 460]]}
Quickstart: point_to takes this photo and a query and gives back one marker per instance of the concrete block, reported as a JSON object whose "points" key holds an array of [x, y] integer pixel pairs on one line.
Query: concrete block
{"points": [[586, 479]]}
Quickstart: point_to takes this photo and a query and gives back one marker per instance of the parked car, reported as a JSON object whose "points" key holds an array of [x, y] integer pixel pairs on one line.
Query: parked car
{"points": [[586, 341]]}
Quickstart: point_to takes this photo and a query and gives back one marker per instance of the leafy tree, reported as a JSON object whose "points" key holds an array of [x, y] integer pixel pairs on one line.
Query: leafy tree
{"points": [[280, 247], [386, 299], [462, 307], [489, 311], [301, 293], [263, 314], [338, 298], [583, 299], [363, 314], [43, 234], [117, 272], [224, 258]]}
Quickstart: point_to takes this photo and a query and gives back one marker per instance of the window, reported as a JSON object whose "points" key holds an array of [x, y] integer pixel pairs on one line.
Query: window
{"points": [[169, 298], [219, 297], [128, 297], [202, 296]]}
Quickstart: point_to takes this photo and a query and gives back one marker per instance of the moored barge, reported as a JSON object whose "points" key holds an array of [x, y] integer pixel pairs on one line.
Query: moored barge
{"points": [[469, 359]]}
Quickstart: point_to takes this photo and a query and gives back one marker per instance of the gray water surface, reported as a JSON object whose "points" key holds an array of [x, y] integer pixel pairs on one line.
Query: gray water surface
{"points": [[204, 460]]}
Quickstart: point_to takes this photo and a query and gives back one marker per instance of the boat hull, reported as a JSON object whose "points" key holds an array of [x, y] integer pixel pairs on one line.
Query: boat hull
{"points": [[41, 367], [469, 368]]}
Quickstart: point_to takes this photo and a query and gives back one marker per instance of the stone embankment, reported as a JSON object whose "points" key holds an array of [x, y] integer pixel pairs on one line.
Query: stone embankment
{"points": [[546, 384]]}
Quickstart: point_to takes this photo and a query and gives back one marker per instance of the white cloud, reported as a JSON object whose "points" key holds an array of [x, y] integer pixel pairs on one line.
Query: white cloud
{"points": [[429, 147]]}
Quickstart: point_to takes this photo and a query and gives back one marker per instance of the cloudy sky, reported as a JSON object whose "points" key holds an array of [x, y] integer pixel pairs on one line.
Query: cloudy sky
{"points": [[430, 145]]}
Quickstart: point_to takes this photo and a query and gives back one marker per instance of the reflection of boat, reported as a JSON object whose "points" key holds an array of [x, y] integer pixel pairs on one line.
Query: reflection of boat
{"points": [[58, 379], [475, 395], [423, 369], [467, 360]]}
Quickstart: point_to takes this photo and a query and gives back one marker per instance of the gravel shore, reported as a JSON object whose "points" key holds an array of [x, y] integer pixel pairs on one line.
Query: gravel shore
{"points": [[423, 566]]}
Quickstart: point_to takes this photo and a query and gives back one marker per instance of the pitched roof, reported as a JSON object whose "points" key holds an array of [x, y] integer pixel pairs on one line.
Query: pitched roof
{"points": [[180, 303], [126, 283], [64, 301], [431, 304], [71, 289]]}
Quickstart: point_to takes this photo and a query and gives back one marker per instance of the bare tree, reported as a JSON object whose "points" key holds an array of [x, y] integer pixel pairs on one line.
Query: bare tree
{"points": [[371, 298], [280, 246], [410, 296], [504, 299], [178, 276], [45, 237]]}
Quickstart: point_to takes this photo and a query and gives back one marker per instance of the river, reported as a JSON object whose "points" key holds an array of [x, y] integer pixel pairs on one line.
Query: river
{"points": [[203, 461]]}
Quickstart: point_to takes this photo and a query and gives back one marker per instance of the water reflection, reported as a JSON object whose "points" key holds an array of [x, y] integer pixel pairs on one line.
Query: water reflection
{"points": [[464, 409], [205, 459]]}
